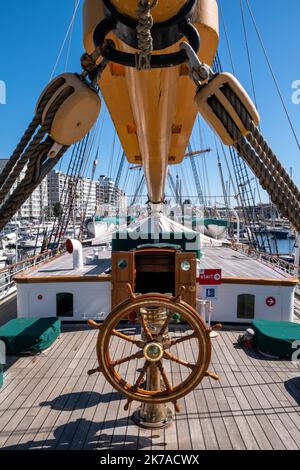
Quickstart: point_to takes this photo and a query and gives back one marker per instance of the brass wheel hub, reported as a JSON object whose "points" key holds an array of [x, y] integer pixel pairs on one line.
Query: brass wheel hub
{"points": [[153, 352]]}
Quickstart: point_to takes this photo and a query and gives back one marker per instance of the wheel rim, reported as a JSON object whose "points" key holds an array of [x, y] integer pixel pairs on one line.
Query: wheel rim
{"points": [[152, 345]]}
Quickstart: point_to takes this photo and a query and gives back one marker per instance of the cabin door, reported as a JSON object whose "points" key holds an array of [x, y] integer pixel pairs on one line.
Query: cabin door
{"points": [[185, 276], [123, 273]]}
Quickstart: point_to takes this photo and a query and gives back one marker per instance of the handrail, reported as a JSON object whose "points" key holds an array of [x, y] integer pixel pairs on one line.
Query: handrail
{"points": [[27, 260], [7, 274], [268, 259]]}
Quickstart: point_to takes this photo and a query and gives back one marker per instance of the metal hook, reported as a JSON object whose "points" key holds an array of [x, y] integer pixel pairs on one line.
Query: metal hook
{"points": [[200, 72]]}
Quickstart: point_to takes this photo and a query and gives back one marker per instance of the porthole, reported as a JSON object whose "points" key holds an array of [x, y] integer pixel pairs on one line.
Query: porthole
{"points": [[185, 266], [122, 264]]}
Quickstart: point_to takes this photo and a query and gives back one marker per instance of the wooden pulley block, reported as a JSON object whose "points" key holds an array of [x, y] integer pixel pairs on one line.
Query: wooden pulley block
{"points": [[217, 87], [77, 114]]}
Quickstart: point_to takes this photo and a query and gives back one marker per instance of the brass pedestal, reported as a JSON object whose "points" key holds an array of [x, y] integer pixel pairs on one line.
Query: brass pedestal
{"points": [[153, 416], [149, 415]]}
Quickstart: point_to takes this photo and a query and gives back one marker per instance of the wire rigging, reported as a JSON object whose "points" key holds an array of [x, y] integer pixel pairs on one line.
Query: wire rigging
{"points": [[226, 37], [71, 25], [248, 52], [272, 73]]}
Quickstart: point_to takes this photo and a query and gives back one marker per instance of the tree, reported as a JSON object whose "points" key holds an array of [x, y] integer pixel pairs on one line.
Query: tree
{"points": [[57, 210]]}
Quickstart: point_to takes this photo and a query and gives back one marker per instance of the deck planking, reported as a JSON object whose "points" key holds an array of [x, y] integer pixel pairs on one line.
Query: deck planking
{"points": [[49, 402]]}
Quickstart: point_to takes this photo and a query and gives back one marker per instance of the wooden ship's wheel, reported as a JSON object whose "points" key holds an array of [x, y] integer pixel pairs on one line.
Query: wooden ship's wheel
{"points": [[159, 363]]}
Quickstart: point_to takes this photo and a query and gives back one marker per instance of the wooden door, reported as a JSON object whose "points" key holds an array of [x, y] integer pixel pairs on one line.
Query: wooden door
{"points": [[123, 273], [185, 276]]}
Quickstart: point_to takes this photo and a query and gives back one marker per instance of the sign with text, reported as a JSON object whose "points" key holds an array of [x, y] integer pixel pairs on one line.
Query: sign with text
{"points": [[210, 277]]}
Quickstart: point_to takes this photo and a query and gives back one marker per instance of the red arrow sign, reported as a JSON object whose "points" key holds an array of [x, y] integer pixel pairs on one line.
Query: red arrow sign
{"points": [[210, 277], [271, 301]]}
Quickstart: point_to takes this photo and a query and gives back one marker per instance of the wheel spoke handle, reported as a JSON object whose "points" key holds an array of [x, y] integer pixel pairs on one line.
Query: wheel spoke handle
{"points": [[139, 344], [140, 377], [118, 362], [176, 359], [94, 371], [168, 384], [165, 377], [174, 342], [98, 326]]}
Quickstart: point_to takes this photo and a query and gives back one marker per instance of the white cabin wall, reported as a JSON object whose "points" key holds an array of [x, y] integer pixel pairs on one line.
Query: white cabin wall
{"points": [[93, 298], [225, 307], [90, 299], [22, 301]]}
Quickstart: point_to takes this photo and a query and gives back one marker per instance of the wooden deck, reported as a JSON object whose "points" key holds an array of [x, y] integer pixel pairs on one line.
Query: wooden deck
{"points": [[49, 402]]}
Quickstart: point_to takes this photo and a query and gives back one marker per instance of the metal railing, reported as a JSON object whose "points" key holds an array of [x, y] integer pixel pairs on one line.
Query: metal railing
{"points": [[269, 260], [7, 274]]}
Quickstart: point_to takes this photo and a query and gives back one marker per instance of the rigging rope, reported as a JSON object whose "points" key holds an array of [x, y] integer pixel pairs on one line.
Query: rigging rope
{"points": [[36, 158], [62, 203], [260, 145], [276, 185], [18, 160], [74, 188], [273, 73], [71, 25], [248, 52], [226, 36], [69, 195], [245, 193], [71, 36], [144, 37]]}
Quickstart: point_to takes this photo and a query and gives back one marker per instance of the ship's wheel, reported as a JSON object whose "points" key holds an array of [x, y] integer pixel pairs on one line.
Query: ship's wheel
{"points": [[157, 362]]}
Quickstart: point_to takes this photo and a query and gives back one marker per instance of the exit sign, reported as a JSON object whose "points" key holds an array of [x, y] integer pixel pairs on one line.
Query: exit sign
{"points": [[210, 277]]}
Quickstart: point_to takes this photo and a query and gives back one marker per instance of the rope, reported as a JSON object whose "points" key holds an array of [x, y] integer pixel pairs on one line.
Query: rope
{"points": [[246, 198], [145, 40], [261, 147], [273, 183], [73, 187], [13, 163], [38, 164]]}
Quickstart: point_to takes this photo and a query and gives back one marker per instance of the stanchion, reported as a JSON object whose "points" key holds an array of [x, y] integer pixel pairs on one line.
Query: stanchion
{"points": [[206, 310]]}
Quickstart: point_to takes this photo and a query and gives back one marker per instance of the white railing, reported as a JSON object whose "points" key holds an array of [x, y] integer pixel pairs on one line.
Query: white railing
{"points": [[270, 260], [7, 274]]}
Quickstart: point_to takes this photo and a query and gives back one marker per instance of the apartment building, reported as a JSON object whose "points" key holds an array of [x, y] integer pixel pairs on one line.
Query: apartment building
{"points": [[77, 193], [36, 205]]}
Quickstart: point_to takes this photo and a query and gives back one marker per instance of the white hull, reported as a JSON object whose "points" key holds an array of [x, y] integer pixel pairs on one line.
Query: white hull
{"points": [[215, 231], [96, 229]]}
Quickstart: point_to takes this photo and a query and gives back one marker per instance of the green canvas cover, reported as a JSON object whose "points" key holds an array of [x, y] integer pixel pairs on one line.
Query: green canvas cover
{"points": [[1, 375], [29, 335], [276, 338]]}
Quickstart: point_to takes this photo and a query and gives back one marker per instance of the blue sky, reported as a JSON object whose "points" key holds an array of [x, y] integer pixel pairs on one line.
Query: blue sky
{"points": [[32, 32]]}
